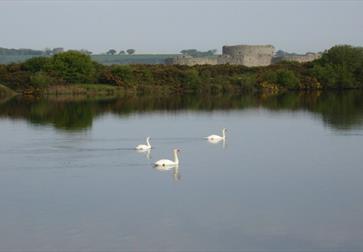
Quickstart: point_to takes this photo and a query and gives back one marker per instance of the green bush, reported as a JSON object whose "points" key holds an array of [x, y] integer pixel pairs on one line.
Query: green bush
{"points": [[72, 67], [281, 77], [124, 72], [248, 79], [191, 79], [41, 80], [340, 67], [36, 64]]}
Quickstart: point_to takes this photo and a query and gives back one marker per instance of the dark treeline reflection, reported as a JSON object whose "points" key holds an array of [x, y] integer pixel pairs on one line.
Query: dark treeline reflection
{"points": [[340, 110]]}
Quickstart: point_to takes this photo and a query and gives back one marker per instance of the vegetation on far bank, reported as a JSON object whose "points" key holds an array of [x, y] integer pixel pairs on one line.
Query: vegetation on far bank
{"points": [[5, 91], [340, 67]]}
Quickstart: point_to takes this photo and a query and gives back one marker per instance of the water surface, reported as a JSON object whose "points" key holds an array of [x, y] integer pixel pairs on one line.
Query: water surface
{"points": [[289, 177]]}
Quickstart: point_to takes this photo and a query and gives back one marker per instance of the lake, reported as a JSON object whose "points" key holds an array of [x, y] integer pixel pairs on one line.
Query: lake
{"points": [[289, 176]]}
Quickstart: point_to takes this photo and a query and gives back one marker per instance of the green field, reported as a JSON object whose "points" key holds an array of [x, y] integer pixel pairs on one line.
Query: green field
{"points": [[132, 59], [103, 59], [6, 59]]}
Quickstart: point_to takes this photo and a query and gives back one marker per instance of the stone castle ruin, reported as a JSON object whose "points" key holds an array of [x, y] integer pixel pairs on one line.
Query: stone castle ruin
{"points": [[191, 61], [307, 57], [247, 55]]}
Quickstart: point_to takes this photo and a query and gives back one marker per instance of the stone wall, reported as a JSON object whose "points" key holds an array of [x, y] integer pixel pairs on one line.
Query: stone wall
{"points": [[298, 58], [190, 61], [251, 50]]}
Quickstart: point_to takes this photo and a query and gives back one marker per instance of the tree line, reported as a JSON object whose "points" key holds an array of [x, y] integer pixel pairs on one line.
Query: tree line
{"points": [[122, 52], [340, 67], [197, 54]]}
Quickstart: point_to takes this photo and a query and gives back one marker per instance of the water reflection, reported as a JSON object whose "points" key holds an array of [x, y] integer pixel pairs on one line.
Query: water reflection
{"points": [[90, 189], [218, 141], [167, 165], [147, 152], [339, 110], [174, 168]]}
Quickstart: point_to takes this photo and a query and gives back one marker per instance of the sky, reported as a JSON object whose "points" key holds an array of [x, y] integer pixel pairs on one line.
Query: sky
{"points": [[169, 26]]}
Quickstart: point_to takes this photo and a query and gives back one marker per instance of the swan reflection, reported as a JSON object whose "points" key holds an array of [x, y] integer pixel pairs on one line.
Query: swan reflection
{"points": [[167, 165], [174, 168], [217, 141], [147, 153]]}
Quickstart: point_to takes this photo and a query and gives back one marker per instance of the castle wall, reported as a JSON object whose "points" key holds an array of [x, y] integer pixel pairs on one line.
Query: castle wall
{"points": [[298, 58], [248, 50], [247, 55], [190, 61]]}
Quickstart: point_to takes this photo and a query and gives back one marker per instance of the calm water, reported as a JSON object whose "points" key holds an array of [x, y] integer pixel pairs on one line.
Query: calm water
{"points": [[289, 178]]}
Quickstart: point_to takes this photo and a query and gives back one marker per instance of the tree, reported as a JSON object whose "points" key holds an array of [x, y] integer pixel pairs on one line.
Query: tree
{"points": [[36, 64], [111, 52], [122, 52], [340, 67], [130, 51], [72, 67], [190, 52], [196, 53], [212, 52]]}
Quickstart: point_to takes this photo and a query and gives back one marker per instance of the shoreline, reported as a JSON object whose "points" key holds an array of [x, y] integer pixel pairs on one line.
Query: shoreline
{"points": [[97, 91]]}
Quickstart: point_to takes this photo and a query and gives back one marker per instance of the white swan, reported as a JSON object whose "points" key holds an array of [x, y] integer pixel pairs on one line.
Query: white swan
{"points": [[216, 138], [168, 163], [146, 146]]}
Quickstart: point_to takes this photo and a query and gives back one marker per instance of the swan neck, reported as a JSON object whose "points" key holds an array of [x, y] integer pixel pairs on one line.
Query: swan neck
{"points": [[176, 173], [176, 159], [147, 142], [224, 134]]}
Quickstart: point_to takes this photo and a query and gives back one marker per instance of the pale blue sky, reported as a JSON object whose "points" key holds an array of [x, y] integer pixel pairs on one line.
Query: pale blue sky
{"points": [[170, 26]]}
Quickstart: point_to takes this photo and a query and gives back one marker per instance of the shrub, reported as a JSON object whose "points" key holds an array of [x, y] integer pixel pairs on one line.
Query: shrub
{"points": [[281, 77], [340, 67], [246, 81], [41, 80], [191, 79], [36, 64], [72, 67]]}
